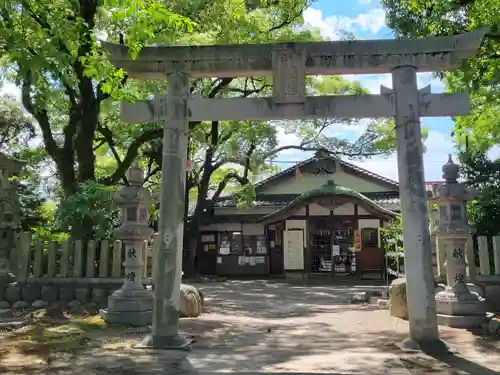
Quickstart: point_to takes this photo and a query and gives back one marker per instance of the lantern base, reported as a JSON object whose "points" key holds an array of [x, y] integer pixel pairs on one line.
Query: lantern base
{"points": [[129, 306], [132, 318], [460, 309]]}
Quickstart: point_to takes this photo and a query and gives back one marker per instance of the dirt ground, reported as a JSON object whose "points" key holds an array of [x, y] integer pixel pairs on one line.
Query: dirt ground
{"points": [[251, 326]]}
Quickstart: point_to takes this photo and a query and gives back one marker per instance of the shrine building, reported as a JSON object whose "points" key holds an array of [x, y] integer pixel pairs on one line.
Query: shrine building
{"points": [[321, 216]]}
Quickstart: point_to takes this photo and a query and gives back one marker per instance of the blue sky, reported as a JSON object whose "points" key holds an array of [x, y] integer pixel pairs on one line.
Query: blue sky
{"points": [[366, 20]]}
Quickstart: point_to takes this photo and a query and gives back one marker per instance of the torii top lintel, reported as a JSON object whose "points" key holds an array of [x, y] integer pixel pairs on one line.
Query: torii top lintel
{"points": [[317, 58]]}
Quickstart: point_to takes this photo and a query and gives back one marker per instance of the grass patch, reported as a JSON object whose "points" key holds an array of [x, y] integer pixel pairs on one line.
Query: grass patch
{"points": [[46, 336]]}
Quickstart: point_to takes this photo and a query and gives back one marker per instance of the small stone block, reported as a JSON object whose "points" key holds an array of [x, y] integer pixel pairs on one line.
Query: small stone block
{"points": [[12, 293], [133, 318], [50, 293], [360, 298], [83, 294], [39, 304], [100, 295], [20, 305], [30, 293], [66, 294]]}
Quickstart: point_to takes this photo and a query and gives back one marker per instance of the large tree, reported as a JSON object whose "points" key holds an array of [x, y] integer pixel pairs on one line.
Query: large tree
{"points": [[53, 51], [479, 75]]}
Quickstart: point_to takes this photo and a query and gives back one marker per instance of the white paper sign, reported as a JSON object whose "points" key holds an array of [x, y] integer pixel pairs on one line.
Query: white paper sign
{"points": [[241, 261], [219, 260], [252, 261], [293, 250], [259, 260]]}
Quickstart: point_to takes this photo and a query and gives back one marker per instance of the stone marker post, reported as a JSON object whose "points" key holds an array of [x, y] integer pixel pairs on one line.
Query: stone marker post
{"points": [[9, 218], [457, 306], [132, 304], [168, 261], [418, 264]]}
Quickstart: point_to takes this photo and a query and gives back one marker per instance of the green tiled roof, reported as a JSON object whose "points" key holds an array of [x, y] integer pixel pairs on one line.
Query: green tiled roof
{"points": [[329, 189]]}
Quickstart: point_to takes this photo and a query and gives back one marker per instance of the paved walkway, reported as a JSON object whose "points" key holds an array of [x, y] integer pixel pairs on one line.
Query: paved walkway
{"points": [[254, 327]]}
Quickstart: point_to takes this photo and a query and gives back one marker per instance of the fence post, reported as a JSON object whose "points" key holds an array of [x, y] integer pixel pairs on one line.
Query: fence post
{"points": [[64, 270], [496, 254], [441, 258], [51, 259], [90, 269], [23, 249], [116, 269], [104, 259], [78, 259], [484, 259], [470, 259], [38, 259]]}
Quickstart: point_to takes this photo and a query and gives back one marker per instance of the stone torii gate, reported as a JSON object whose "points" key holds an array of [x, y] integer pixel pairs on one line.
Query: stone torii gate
{"points": [[289, 64]]}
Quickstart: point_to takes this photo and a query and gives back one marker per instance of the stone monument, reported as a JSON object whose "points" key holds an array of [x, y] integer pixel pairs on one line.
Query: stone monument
{"points": [[9, 218], [456, 306], [132, 304], [289, 64]]}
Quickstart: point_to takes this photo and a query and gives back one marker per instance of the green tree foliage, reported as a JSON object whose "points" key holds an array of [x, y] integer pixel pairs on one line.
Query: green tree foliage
{"points": [[16, 133], [53, 50], [484, 175], [479, 75]]}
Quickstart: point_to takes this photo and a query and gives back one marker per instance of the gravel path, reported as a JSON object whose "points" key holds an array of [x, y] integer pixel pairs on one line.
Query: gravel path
{"points": [[271, 327]]}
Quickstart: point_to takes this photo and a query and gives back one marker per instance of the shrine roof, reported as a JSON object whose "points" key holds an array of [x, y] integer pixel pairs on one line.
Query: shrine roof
{"points": [[352, 168], [330, 189]]}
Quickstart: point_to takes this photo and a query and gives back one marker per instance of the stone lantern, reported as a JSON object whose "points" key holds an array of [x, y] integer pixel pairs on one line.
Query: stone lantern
{"points": [[456, 306], [132, 304], [9, 217]]}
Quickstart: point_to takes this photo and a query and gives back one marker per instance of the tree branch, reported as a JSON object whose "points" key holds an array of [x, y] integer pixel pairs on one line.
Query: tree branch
{"points": [[131, 154]]}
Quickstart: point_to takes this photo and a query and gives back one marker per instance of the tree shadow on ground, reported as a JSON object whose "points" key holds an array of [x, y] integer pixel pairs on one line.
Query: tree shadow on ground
{"points": [[257, 327], [262, 299]]}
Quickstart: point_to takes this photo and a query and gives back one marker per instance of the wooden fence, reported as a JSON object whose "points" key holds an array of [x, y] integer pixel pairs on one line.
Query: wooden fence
{"points": [[71, 259], [487, 258]]}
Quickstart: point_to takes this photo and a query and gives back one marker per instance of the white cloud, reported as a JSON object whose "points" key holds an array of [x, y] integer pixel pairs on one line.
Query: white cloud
{"points": [[11, 89], [331, 27], [439, 146]]}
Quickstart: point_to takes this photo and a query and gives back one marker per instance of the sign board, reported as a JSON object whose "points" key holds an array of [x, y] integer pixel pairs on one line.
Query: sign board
{"points": [[293, 253], [357, 240]]}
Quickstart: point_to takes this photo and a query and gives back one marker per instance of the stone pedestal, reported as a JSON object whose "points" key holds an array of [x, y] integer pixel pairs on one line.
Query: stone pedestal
{"points": [[132, 304], [456, 306]]}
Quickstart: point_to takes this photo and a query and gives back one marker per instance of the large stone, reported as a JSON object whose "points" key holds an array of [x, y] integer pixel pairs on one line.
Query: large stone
{"points": [[39, 304], [66, 293], [50, 293], [20, 305], [83, 294], [398, 305], [4, 305], [30, 293], [100, 296], [12, 293], [191, 301]]}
